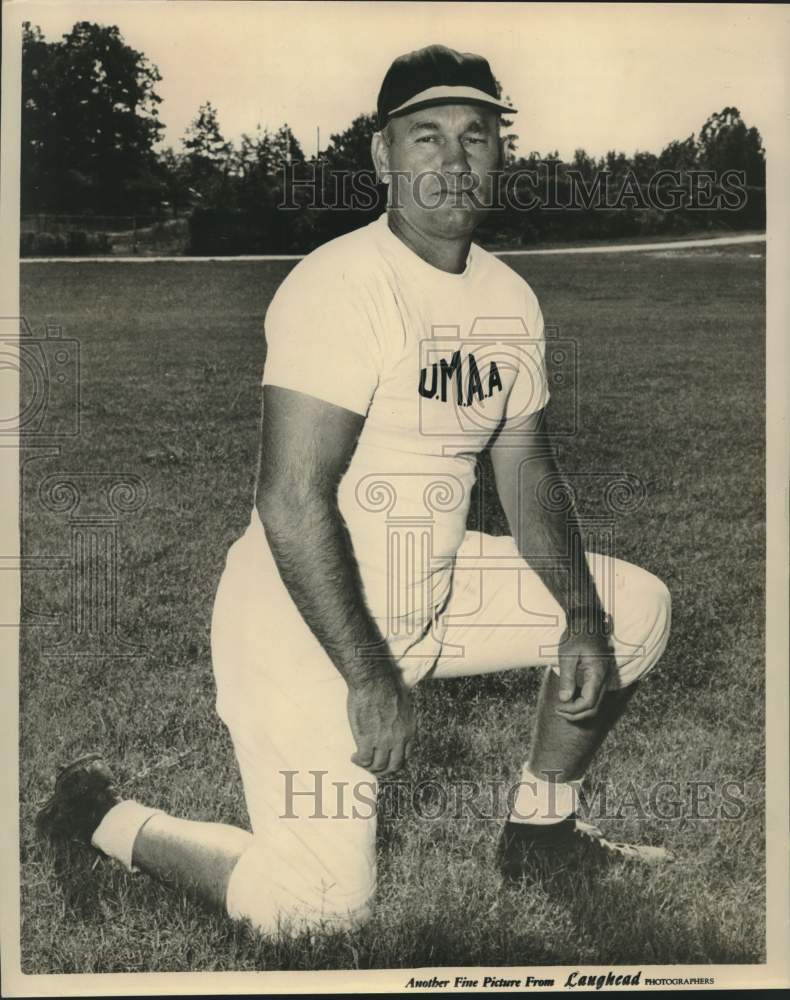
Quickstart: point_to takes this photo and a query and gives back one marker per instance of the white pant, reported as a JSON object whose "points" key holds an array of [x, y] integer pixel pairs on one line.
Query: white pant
{"points": [[313, 857]]}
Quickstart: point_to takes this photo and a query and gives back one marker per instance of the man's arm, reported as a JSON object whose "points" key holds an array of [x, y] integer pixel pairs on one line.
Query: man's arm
{"points": [[551, 541], [306, 445]]}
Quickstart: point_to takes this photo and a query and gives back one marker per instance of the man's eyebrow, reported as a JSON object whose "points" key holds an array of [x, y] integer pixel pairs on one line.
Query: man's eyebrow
{"points": [[427, 126], [476, 125]]}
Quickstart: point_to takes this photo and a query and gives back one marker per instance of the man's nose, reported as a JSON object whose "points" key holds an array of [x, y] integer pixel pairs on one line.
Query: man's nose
{"points": [[454, 160]]}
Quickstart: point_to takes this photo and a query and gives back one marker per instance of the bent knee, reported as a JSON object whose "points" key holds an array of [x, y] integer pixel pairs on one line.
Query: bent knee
{"points": [[279, 898], [287, 917], [644, 609], [641, 632], [657, 605]]}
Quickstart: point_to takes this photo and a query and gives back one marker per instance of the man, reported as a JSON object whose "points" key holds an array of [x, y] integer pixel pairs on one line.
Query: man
{"points": [[395, 354]]}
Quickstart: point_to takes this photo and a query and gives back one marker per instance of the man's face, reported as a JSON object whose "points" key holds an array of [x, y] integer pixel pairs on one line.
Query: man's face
{"points": [[442, 162]]}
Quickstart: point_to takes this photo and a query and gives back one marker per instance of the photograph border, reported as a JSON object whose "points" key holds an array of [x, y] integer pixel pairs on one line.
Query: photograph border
{"points": [[774, 973]]}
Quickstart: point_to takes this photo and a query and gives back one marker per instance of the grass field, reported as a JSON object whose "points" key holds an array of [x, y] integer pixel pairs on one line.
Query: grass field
{"points": [[671, 389]]}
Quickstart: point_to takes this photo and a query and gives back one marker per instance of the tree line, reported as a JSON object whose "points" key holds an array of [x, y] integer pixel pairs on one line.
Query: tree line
{"points": [[90, 127]]}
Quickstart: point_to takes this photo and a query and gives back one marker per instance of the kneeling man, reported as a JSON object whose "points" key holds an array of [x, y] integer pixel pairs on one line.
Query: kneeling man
{"points": [[395, 355]]}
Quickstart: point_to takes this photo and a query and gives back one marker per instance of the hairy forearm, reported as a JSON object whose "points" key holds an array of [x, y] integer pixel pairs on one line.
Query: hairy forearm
{"points": [[314, 554], [553, 544], [548, 533]]}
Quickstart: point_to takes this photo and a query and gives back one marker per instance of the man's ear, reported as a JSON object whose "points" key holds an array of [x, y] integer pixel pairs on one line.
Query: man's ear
{"points": [[380, 152]]}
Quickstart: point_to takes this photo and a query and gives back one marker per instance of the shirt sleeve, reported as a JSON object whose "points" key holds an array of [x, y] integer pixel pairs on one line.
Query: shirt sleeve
{"points": [[530, 390], [320, 340]]}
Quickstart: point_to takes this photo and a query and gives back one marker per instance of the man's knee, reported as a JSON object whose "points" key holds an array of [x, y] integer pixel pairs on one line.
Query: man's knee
{"points": [[280, 898], [660, 602], [286, 918], [655, 603], [276, 921], [641, 639]]}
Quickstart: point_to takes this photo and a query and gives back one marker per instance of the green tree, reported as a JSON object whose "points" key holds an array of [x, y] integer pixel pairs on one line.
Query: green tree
{"points": [[510, 139], [203, 140], [173, 168], [726, 143], [89, 123], [350, 150], [207, 155], [264, 154], [644, 165], [259, 166], [680, 154], [584, 163]]}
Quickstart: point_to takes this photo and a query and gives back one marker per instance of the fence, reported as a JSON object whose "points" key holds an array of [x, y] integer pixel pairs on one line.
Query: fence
{"points": [[59, 224], [47, 234]]}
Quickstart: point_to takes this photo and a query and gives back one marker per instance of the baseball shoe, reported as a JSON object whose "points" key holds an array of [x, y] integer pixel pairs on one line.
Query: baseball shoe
{"points": [[84, 793], [528, 850]]}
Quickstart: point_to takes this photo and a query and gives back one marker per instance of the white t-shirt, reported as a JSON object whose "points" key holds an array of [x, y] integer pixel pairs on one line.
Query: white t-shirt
{"points": [[434, 361]]}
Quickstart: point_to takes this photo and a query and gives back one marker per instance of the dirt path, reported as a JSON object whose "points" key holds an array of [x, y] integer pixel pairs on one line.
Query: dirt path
{"points": [[716, 241]]}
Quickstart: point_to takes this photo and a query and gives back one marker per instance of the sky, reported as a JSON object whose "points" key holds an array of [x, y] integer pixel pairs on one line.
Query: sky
{"points": [[597, 76]]}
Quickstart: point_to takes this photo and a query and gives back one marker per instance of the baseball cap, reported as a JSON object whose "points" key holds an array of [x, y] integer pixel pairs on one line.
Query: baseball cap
{"points": [[437, 75]]}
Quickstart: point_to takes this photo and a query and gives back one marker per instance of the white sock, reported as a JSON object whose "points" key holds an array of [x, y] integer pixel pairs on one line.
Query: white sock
{"points": [[543, 802], [117, 832]]}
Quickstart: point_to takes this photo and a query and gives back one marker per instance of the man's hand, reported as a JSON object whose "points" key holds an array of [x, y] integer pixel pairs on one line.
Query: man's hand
{"points": [[585, 663], [382, 721]]}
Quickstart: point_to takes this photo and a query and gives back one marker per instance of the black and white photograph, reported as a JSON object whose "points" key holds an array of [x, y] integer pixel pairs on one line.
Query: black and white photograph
{"points": [[395, 434]]}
